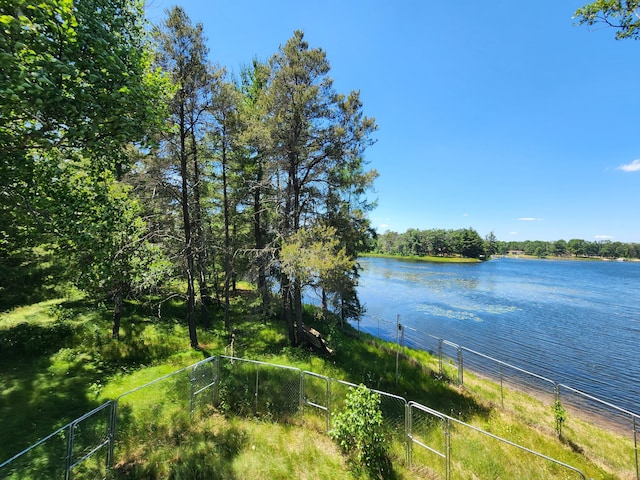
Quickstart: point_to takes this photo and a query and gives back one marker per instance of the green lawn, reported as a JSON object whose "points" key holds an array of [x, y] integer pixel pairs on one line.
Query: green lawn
{"points": [[58, 362]]}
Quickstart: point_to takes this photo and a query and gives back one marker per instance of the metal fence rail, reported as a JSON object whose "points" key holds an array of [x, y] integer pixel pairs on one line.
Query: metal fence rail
{"points": [[428, 429], [83, 447], [453, 360], [205, 377], [531, 469], [93, 443]]}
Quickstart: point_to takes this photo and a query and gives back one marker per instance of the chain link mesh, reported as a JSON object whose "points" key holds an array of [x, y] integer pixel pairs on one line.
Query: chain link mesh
{"points": [[46, 459], [435, 443], [204, 377]]}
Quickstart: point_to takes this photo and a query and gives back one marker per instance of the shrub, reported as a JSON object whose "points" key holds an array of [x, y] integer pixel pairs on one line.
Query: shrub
{"points": [[358, 430], [561, 415]]}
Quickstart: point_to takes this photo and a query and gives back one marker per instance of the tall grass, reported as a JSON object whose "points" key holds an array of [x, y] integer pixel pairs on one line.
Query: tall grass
{"points": [[58, 361]]}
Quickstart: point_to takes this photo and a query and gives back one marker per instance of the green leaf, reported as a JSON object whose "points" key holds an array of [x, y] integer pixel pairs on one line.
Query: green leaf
{"points": [[6, 19]]}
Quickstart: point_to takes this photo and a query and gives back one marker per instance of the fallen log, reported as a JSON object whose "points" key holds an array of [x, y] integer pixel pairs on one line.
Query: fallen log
{"points": [[313, 338]]}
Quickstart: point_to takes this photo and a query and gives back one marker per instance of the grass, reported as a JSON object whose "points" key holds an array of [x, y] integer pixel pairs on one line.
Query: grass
{"points": [[425, 258], [58, 362], [239, 448]]}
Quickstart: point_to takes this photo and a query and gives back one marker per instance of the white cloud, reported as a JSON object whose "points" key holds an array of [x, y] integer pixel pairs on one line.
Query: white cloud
{"points": [[384, 225], [465, 215], [604, 237], [513, 233], [631, 167], [530, 219]]}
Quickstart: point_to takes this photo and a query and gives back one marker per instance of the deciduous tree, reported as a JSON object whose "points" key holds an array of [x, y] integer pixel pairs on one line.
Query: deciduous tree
{"points": [[623, 15], [77, 89]]}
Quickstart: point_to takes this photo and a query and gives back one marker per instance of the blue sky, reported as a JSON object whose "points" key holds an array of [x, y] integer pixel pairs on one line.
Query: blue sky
{"points": [[502, 116]]}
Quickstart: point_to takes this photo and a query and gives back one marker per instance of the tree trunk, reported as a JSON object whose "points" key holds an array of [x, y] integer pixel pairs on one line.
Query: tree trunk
{"points": [[287, 307], [205, 301], [325, 306], [117, 313], [297, 295], [227, 238], [288, 289], [186, 220], [257, 233], [234, 276]]}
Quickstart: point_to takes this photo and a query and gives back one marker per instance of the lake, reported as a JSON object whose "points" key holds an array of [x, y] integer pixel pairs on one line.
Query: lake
{"points": [[574, 322]]}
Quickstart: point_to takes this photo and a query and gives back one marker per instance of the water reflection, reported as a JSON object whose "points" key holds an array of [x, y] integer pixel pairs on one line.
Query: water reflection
{"points": [[577, 321]]}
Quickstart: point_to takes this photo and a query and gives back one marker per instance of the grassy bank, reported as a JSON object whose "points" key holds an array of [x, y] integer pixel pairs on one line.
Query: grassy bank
{"points": [[425, 258], [58, 362]]}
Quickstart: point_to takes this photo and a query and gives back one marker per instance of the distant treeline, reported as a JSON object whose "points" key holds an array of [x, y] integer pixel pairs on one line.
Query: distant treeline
{"points": [[465, 242], [468, 243]]}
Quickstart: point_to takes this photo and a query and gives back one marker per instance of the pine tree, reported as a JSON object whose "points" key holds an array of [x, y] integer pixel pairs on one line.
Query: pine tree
{"points": [[182, 53]]}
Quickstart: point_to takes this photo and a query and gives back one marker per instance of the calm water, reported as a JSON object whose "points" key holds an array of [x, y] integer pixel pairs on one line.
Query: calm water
{"points": [[574, 322]]}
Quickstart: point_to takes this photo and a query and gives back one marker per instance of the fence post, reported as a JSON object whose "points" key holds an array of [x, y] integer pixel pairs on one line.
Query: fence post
{"points": [[398, 329], [329, 408], [447, 447], [635, 444], [112, 434], [302, 394], [69, 457], [408, 444], [409, 429], [216, 381], [257, 386], [501, 388], [460, 367], [192, 389], [440, 356]]}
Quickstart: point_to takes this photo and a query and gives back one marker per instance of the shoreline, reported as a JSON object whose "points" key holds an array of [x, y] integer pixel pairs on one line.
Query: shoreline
{"points": [[427, 259], [432, 259], [570, 258], [600, 413]]}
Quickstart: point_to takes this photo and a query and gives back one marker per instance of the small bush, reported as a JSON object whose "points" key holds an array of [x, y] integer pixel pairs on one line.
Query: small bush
{"points": [[358, 430], [561, 415]]}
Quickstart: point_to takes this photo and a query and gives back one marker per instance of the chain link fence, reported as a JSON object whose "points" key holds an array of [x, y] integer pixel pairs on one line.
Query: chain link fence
{"points": [[110, 436], [81, 449], [512, 388]]}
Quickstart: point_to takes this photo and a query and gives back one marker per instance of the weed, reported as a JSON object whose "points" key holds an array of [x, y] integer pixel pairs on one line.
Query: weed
{"points": [[561, 415], [358, 430]]}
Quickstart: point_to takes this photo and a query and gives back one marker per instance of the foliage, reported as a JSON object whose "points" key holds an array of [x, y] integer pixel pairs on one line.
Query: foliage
{"points": [[439, 242], [42, 391], [79, 92], [624, 15], [574, 247], [31, 275], [78, 78], [358, 429], [317, 139], [78, 75], [182, 54], [560, 415], [122, 154], [109, 241], [436, 242], [316, 257]]}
